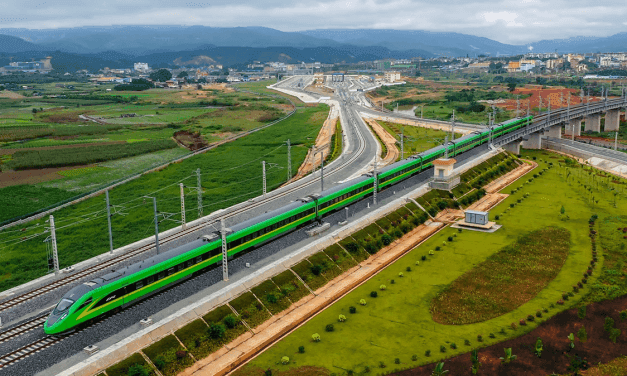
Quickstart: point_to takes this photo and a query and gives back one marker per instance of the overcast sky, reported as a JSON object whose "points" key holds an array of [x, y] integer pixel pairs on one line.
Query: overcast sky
{"points": [[507, 21]]}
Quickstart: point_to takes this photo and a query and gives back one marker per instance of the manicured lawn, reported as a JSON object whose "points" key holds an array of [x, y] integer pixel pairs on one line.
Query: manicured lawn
{"points": [[417, 139], [506, 280], [398, 324]]}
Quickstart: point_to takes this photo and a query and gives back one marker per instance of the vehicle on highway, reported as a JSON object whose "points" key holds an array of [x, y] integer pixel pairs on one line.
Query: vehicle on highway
{"points": [[121, 288]]}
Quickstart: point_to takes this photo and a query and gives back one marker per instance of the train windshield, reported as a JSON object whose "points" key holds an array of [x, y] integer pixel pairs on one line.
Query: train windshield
{"points": [[63, 305]]}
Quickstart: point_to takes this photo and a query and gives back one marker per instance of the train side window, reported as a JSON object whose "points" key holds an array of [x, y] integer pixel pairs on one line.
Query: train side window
{"points": [[171, 271], [139, 284], [161, 275], [150, 279], [198, 259]]}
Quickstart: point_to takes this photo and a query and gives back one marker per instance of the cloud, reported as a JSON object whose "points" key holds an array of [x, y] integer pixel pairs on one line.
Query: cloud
{"points": [[507, 21]]}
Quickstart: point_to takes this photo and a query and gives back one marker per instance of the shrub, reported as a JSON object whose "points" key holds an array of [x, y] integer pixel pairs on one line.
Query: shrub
{"points": [[216, 331], [442, 348], [352, 309], [386, 239], [502, 331], [522, 322], [431, 253], [181, 354], [466, 342], [230, 321], [450, 238], [285, 360], [428, 353], [545, 310], [437, 248], [381, 365], [316, 269], [497, 217], [301, 349], [362, 301], [480, 338], [538, 313], [614, 334], [329, 328], [424, 258], [414, 357], [582, 335], [417, 263], [397, 361], [160, 363], [453, 346], [315, 337], [513, 326], [341, 318], [623, 315], [373, 294], [491, 335], [138, 370], [400, 274], [382, 287], [560, 302], [392, 281], [608, 324], [408, 269], [581, 312], [366, 369]]}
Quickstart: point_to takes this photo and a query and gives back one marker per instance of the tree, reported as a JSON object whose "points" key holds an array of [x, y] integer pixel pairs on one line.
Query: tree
{"points": [[182, 74], [161, 75], [474, 357], [439, 370], [508, 356], [137, 370], [511, 86]]}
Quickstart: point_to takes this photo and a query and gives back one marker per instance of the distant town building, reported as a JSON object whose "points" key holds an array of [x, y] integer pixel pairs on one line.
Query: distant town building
{"points": [[141, 67], [392, 76], [29, 66]]}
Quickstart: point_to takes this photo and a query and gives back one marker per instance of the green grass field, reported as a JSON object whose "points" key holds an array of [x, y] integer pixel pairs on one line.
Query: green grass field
{"points": [[398, 324], [231, 174], [417, 139]]}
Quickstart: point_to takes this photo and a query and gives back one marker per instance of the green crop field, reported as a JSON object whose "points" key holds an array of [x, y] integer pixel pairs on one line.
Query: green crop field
{"points": [[231, 174], [398, 322], [417, 139]]}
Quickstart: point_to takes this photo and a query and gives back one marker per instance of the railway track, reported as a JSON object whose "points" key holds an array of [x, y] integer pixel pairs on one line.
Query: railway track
{"points": [[28, 350], [22, 298], [23, 328]]}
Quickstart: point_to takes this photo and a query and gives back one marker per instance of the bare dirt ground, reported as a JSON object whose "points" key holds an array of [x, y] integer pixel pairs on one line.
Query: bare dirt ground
{"points": [[388, 140], [31, 176], [10, 94], [510, 177], [558, 97]]}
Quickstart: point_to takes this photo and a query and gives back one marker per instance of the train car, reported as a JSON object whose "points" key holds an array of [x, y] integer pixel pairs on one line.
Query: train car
{"points": [[126, 286]]}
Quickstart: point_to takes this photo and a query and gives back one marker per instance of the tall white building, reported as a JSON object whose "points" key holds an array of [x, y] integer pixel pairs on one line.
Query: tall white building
{"points": [[141, 67]]}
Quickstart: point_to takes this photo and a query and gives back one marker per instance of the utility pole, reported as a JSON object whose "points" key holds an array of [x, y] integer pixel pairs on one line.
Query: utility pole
{"points": [[154, 204], [568, 117], [183, 224], [263, 171], [616, 141], [453, 127], [55, 252], [588, 102], [446, 147], [548, 117], [402, 144], [321, 171], [517, 106], [289, 160], [375, 185], [540, 105], [199, 193], [109, 222], [421, 108], [225, 255]]}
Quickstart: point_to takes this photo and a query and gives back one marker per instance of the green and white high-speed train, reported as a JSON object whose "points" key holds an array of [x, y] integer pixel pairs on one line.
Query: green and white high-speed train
{"points": [[125, 286]]}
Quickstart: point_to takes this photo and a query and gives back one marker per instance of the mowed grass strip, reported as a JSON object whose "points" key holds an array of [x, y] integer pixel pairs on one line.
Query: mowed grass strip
{"points": [[504, 281]]}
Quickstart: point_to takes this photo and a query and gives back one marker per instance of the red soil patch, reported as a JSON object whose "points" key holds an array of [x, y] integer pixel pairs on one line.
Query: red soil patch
{"points": [[555, 356], [546, 94], [31, 176]]}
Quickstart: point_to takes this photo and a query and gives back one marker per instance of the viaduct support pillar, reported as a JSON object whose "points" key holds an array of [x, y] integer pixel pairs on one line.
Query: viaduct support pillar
{"points": [[533, 141], [612, 120], [593, 123], [555, 131], [569, 127], [513, 147]]}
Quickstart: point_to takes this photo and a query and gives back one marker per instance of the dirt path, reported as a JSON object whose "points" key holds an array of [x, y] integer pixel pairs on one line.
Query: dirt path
{"points": [[322, 144], [510, 177], [32, 176], [388, 140]]}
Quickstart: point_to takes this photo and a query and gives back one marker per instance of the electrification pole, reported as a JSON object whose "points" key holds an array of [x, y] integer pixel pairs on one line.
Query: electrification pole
{"points": [[154, 204], [109, 222], [518, 106], [321, 171], [375, 185], [183, 224], [55, 253], [453, 127], [402, 144], [225, 256], [199, 193], [616, 141], [289, 160], [263, 169]]}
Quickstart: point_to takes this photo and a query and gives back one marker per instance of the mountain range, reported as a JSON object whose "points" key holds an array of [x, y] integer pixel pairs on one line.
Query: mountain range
{"points": [[173, 45]]}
